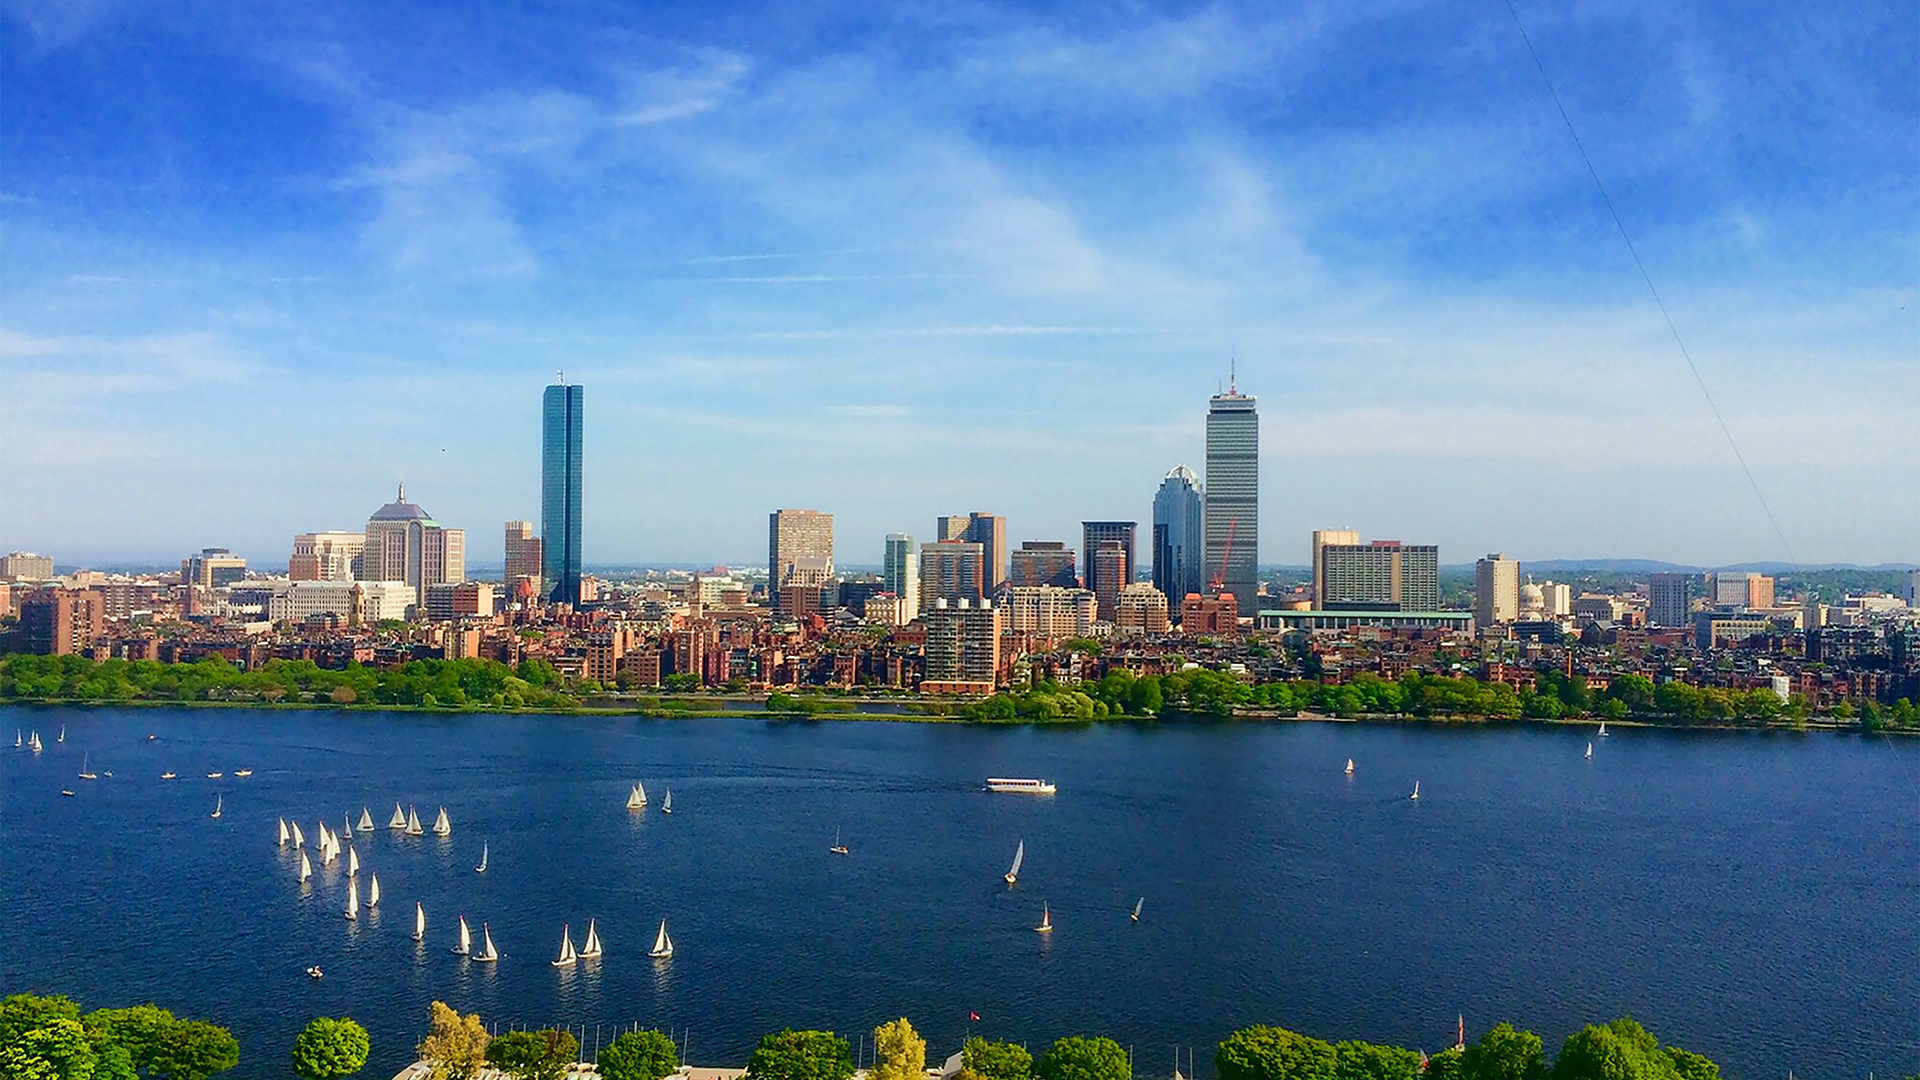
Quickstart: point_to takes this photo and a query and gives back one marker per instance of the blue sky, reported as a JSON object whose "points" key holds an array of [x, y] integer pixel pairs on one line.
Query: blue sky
{"points": [[260, 261]]}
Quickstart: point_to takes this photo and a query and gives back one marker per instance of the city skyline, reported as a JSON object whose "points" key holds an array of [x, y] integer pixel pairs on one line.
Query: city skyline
{"points": [[1375, 211]]}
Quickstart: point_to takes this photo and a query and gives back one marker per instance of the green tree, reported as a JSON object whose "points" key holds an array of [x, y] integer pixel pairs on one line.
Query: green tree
{"points": [[982, 1059], [328, 1048], [1273, 1053], [1621, 1050], [1691, 1066], [801, 1055], [533, 1055], [1371, 1061], [639, 1055], [137, 1030], [899, 1052], [194, 1050], [1445, 1065], [1081, 1057], [57, 1050], [1504, 1053], [455, 1046], [21, 1013]]}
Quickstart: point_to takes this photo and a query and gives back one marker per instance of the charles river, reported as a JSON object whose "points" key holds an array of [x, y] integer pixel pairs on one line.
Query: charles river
{"points": [[1753, 897]]}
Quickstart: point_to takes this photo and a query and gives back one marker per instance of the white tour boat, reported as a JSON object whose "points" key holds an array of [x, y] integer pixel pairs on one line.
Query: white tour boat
{"points": [[1020, 786]]}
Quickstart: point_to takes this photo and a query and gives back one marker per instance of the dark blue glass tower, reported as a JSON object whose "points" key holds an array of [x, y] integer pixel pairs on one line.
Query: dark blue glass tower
{"points": [[560, 494]]}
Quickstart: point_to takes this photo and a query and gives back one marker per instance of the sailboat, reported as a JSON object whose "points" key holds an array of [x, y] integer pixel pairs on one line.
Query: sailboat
{"points": [[298, 840], [33, 742], [838, 848], [1019, 856], [215, 774], [1137, 905], [216, 807], [1589, 751], [413, 823], [63, 734], [348, 831], [488, 954], [243, 772], [419, 921], [662, 944], [353, 862], [168, 775], [666, 803], [567, 955], [466, 937], [373, 890], [327, 850], [591, 950], [1603, 729], [366, 820], [637, 798], [353, 898], [306, 868], [482, 868], [84, 773], [283, 832], [399, 818], [1416, 791], [441, 826], [1349, 766], [16, 739], [1046, 921]]}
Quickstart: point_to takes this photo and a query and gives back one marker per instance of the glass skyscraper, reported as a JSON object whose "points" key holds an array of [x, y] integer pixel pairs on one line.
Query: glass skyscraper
{"points": [[1233, 497], [560, 494], [1177, 555]]}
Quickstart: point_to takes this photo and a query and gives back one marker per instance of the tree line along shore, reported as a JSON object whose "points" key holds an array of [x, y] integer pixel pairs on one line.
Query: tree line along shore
{"points": [[534, 686], [51, 1038]]}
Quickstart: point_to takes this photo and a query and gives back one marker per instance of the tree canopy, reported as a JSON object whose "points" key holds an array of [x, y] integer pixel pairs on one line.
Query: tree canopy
{"points": [[455, 1046], [639, 1055], [899, 1052], [533, 1055], [1080, 1057], [46, 1038], [329, 1048], [983, 1059], [801, 1055]]}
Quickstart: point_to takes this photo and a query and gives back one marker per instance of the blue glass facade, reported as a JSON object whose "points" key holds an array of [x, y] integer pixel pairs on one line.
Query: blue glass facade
{"points": [[1177, 547], [560, 494]]}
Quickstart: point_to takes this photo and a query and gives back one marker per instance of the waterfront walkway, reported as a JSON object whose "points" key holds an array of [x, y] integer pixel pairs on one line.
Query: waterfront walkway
{"points": [[579, 1070]]}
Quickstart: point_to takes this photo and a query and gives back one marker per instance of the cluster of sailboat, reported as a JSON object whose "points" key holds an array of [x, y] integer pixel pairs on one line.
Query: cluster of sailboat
{"points": [[329, 846], [637, 798]]}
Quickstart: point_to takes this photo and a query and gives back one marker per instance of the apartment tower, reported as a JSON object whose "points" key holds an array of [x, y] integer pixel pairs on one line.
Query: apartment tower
{"points": [[901, 569], [799, 552]]}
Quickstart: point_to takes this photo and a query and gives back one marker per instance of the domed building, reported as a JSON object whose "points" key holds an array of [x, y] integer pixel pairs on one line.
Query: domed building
{"points": [[1533, 602], [404, 543]]}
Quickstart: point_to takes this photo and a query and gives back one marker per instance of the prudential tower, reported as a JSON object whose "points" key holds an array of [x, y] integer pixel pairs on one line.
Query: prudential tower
{"points": [[1233, 496]]}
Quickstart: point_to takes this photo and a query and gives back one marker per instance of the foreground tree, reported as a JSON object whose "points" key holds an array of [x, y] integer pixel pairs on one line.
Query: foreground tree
{"points": [[1623, 1050], [137, 1030], [1373, 1061], [330, 1048], [1078, 1057], [1504, 1053], [983, 1059], [534, 1055], [899, 1052], [1274, 1053], [639, 1055], [455, 1046], [194, 1050], [801, 1055], [56, 1050], [21, 1013]]}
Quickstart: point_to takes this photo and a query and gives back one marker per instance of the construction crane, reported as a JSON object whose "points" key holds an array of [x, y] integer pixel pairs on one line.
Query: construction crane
{"points": [[1219, 582]]}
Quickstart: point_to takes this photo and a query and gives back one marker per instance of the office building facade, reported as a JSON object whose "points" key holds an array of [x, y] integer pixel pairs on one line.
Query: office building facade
{"points": [[963, 642], [1179, 535], [1496, 590], [25, 566], [1385, 575], [951, 571], [1142, 609], [327, 556], [525, 556], [900, 569], [1050, 611], [1232, 508], [560, 468], [1110, 560], [987, 530], [1323, 539], [1044, 563], [1667, 599], [212, 568], [799, 552], [404, 543]]}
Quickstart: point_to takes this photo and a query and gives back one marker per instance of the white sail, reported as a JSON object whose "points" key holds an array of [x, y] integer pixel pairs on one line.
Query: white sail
{"points": [[283, 832], [441, 826], [399, 818], [1019, 856], [216, 807], [1137, 905], [419, 921], [348, 822], [1603, 729], [1349, 766], [662, 944], [488, 953], [567, 955], [33, 743], [1046, 920], [353, 862], [640, 789], [666, 802], [635, 800], [326, 853], [366, 820], [299, 840], [353, 898], [413, 822], [591, 949], [482, 868], [17, 741], [466, 936], [1589, 749], [306, 868], [1416, 790], [63, 734], [373, 889]]}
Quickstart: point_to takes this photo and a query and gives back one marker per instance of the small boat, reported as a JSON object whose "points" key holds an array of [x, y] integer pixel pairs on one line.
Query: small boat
{"points": [[1589, 751], [482, 868], [466, 937], [169, 776], [62, 737], [348, 831], [373, 890], [1416, 791], [298, 839], [662, 944], [314, 972], [283, 832], [1019, 856], [33, 742], [366, 820], [327, 852], [413, 823], [838, 848], [399, 818], [353, 862], [1020, 786], [215, 775], [1137, 905], [353, 898], [1046, 921], [85, 774], [306, 868], [419, 921], [591, 950], [17, 741], [151, 736], [108, 774], [243, 773], [637, 798], [1349, 766], [567, 955], [441, 826], [216, 807], [488, 954], [67, 793], [666, 803], [1603, 729]]}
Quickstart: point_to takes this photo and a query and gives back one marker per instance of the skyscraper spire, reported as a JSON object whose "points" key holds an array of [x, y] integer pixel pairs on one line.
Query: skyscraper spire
{"points": [[402, 496]]}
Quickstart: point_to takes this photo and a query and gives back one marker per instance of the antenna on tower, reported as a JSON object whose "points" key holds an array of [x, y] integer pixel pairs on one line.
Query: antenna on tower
{"points": [[1233, 375], [560, 377]]}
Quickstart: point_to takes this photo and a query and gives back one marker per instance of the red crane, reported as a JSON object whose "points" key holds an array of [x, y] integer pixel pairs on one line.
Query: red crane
{"points": [[1219, 582]]}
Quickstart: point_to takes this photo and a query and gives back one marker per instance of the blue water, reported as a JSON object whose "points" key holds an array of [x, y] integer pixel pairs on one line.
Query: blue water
{"points": [[1753, 897]]}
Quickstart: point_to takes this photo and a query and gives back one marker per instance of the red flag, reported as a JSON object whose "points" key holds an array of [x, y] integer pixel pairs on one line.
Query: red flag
{"points": [[972, 1016]]}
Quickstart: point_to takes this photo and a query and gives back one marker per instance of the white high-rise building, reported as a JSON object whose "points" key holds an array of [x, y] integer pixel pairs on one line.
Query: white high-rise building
{"points": [[1496, 590], [404, 543], [1233, 497], [901, 569]]}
